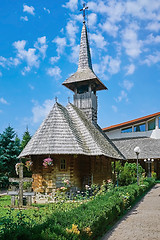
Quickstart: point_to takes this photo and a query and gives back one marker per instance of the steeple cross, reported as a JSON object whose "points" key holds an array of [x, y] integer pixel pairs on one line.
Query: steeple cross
{"points": [[83, 9]]}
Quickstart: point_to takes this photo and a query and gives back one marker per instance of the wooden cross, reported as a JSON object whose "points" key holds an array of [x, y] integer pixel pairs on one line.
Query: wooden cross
{"points": [[20, 180], [83, 9]]}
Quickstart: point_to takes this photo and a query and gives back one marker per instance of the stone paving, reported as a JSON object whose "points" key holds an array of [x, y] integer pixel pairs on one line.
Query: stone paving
{"points": [[142, 222]]}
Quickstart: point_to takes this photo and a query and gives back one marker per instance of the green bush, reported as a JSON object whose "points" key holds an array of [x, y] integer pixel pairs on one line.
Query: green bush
{"points": [[128, 174], [88, 220]]}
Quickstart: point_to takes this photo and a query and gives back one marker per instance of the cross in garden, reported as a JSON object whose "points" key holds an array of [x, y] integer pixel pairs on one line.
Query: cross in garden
{"points": [[20, 180], [83, 9]]}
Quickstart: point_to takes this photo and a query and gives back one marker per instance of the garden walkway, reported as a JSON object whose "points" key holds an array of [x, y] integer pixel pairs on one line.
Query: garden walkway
{"points": [[142, 222]]}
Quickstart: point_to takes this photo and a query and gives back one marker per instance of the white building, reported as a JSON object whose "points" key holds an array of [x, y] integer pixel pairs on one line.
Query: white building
{"points": [[148, 126], [143, 132]]}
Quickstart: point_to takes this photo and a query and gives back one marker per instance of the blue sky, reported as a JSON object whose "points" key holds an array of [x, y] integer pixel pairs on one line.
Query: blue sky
{"points": [[39, 47]]}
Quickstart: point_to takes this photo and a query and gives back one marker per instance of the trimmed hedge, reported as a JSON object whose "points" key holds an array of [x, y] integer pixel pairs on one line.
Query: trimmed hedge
{"points": [[88, 221]]}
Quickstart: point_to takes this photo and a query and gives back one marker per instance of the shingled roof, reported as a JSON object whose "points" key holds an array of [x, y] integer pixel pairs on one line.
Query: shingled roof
{"points": [[150, 148], [85, 71], [68, 131]]}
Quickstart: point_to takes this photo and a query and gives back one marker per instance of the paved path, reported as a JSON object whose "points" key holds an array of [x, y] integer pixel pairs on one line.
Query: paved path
{"points": [[142, 222]]}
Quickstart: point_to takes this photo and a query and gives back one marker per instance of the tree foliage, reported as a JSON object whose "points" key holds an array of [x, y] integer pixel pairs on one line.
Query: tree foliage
{"points": [[127, 174], [25, 139], [9, 151]]}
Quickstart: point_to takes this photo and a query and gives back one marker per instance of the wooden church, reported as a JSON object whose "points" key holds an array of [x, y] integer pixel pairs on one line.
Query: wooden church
{"points": [[70, 135]]}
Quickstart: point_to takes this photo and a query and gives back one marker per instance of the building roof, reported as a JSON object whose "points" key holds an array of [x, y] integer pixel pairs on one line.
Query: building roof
{"points": [[150, 148], [134, 121], [68, 131], [85, 73]]}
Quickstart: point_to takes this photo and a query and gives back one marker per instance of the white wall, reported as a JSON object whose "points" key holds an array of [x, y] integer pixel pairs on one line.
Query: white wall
{"points": [[114, 134]]}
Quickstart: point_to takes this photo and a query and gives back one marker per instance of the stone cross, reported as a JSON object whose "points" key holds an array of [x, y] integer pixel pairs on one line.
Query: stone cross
{"points": [[20, 180], [83, 9]]}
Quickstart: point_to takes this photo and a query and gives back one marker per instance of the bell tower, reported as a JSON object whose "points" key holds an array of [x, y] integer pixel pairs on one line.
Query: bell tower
{"points": [[84, 83]]}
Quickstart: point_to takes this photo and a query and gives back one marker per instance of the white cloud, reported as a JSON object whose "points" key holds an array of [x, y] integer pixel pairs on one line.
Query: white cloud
{"points": [[3, 101], [54, 59], [130, 69], [55, 71], [26, 69], [61, 43], [77, 17], [0, 74], [110, 28], [71, 4], [41, 111], [113, 65], [3, 61], [25, 18], [47, 10], [152, 39], [114, 108], [28, 9], [92, 19], [153, 26], [128, 85], [130, 41], [143, 9], [29, 56], [122, 96], [72, 29], [13, 61], [97, 7], [99, 40], [152, 59], [41, 45], [74, 56]]}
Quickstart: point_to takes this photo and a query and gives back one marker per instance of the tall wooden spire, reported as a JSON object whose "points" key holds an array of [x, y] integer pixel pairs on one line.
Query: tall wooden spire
{"points": [[84, 82], [84, 53]]}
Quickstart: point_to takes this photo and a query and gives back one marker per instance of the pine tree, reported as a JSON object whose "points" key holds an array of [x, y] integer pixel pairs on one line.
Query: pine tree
{"points": [[9, 151], [25, 139]]}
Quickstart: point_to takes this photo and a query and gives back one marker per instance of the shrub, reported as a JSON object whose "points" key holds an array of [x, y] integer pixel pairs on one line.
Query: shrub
{"points": [[128, 174], [88, 220]]}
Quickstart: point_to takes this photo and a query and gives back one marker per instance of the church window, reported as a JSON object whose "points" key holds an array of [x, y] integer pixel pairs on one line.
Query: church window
{"points": [[151, 125], [140, 128], [63, 164], [126, 130]]}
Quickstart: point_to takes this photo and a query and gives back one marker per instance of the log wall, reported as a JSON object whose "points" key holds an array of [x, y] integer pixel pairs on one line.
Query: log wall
{"points": [[80, 170]]}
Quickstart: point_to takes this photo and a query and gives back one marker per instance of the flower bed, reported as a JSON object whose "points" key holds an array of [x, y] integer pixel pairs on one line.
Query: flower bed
{"points": [[87, 220]]}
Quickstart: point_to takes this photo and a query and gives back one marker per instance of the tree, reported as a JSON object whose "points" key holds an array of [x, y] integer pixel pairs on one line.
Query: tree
{"points": [[25, 139], [9, 151]]}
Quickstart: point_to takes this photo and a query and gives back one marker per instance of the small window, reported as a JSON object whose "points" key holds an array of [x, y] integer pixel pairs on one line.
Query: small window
{"points": [[159, 122], [140, 128], [151, 125], [126, 130], [63, 164]]}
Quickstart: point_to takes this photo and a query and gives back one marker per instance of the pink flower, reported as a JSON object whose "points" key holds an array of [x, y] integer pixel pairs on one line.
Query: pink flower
{"points": [[47, 162]]}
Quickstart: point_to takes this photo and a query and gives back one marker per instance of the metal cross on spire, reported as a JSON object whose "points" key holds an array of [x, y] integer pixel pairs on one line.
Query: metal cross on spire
{"points": [[83, 9]]}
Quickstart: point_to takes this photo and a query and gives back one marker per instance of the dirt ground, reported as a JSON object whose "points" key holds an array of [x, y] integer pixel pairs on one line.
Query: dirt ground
{"points": [[142, 222]]}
